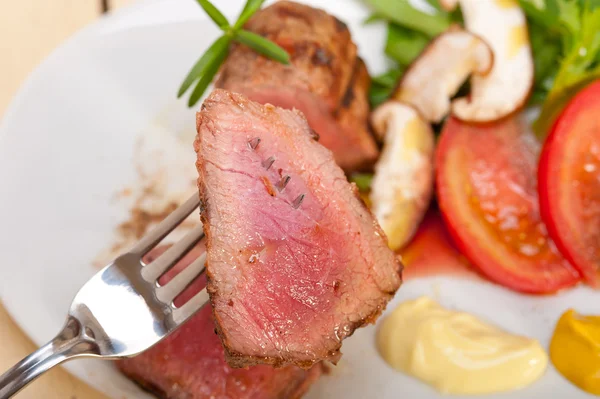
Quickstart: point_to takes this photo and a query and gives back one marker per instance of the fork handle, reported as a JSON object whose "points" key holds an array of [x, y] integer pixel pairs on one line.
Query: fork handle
{"points": [[69, 343]]}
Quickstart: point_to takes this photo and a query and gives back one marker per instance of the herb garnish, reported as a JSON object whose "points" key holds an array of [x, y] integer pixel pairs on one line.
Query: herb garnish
{"points": [[208, 65]]}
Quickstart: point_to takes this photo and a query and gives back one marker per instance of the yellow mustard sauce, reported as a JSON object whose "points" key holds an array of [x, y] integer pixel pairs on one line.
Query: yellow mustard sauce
{"points": [[575, 350], [455, 352]]}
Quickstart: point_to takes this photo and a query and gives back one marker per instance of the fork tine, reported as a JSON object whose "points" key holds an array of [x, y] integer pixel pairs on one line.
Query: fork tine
{"points": [[152, 271], [181, 281], [151, 239], [184, 312]]}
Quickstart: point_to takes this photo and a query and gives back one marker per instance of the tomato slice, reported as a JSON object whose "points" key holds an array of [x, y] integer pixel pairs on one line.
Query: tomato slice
{"points": [[569, 182], [486, 180], [431, 252]]}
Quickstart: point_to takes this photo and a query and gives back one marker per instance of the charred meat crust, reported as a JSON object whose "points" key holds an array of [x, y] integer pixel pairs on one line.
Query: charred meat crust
{"points": [[322, 54], [353, 114], [238, 360], [359, 85], [325, 79]]}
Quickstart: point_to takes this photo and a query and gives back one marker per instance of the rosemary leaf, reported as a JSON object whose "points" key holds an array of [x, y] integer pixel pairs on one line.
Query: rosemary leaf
{"points": [[249, 9], [214, 14], [217, 51], [206, 78], [262, 46]]}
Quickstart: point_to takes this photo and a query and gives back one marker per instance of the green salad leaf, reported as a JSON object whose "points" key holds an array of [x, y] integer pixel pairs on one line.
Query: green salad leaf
{"points": [[565, 39], [404, 45], [382, 86], [207, 66], [403, 13]]}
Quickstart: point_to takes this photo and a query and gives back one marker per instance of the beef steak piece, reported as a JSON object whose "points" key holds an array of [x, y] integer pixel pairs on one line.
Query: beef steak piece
{"points": [[317, 81], [296, 262], [190, 363]]}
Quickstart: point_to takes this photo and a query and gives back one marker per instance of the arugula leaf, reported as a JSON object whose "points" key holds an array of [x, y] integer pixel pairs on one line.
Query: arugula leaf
{"points": [[403, 13], [543, 13], [378, 95], [388, 79], [546, 53], [404, 45], [580, 55], [382, 86]]}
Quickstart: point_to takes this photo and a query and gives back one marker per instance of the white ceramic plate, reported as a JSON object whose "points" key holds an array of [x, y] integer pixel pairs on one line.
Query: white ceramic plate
{"points": [[66, 147]]}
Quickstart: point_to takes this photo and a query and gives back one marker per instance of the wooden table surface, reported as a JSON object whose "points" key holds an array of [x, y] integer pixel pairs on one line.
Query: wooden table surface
{"points": [[29, 31]]}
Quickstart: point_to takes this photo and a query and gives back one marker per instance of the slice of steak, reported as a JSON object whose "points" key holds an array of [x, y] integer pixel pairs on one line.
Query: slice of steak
{"points": [[296, 262], [190, 364], [351, 115], [323, 59]]}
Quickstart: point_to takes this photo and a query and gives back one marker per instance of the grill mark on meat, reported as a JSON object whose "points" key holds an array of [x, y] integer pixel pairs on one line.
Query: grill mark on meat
{"points": [[320, 57], [301, 31], [322, 79], [348, 97], [358, 80]]}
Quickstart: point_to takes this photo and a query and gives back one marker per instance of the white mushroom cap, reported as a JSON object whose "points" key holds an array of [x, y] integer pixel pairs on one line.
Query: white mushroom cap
{"points": [[502, 24], [403, 183], [439, 71]]}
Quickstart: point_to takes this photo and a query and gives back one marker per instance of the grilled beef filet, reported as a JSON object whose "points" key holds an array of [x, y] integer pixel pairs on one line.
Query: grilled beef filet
{"points": [[296, 262], [323, 68], [190, 364]]}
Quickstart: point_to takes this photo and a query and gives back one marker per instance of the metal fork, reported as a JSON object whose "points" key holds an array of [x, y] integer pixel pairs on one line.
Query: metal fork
{"points": [[122, 310]]}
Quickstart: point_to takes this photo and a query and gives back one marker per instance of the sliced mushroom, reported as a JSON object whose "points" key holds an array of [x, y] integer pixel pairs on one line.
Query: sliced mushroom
{"points": [[439, 71], [403, 183], [502, 24]]}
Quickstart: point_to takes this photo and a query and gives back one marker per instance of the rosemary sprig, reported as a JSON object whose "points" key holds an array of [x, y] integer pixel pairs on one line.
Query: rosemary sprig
{"points": [[207, 66]]}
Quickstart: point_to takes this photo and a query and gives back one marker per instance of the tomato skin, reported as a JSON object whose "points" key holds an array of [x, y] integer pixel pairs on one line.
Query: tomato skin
{"points": [[565, 152], [487, 192]]}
